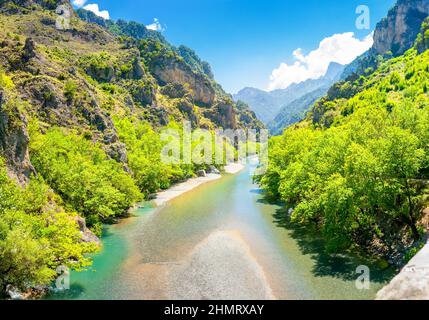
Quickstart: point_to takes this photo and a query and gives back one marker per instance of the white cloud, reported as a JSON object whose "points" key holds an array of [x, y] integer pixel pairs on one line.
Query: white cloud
{"points": [[79, 3], [155, 26], [95, 9], [341, 48]]}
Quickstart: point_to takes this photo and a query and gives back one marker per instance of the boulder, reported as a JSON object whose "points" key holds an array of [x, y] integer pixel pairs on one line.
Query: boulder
{"points": [[201, 173], [87, 235], [13, 293], [214, 170]]}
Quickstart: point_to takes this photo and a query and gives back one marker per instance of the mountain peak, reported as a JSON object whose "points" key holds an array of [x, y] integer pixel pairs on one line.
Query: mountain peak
{"points": [[397, 32], [334, 71]]}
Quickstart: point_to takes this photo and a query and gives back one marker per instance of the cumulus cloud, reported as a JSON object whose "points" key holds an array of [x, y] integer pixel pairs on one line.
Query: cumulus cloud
{"points": [[341, 48], [93, 7], [79, 3], [155, 26]]}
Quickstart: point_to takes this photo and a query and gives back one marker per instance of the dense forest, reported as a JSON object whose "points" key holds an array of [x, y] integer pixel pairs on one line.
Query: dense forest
{"points": [[357, 166]]}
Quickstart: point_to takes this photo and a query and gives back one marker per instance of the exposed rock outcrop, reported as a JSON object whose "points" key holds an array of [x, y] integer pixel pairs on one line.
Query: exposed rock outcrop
{"points": [[29, 50], [398, 31], [176, 72], [14, 142], [223, 114], [87, 235], [412, 283]]}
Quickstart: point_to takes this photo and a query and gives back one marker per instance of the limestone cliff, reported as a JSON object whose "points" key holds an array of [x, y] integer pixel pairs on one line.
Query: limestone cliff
{"points": [[398, 31], [79, 77]]}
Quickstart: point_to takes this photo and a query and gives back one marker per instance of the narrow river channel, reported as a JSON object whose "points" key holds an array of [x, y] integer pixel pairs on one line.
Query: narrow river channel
{"points": [[219, 241]]}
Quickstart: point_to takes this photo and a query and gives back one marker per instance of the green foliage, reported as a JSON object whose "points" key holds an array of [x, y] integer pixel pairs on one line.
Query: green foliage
{"points": [[6, 82], [144, 147], [412, 252], [70, 89], [79, 171], [192, 59], [100, 66], [422, 41], [36, 235], [156, 53], [362, 175]]}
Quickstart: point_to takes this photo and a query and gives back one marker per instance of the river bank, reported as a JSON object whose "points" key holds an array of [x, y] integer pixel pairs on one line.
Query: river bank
{"points": [[221, 240], [177, 190]]}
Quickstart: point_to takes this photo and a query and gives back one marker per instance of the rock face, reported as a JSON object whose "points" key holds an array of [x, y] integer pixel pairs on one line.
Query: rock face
{"points": [[87, 235], [223, 114], [176, 72], [412, 283], [398, 31], [14, 142]]}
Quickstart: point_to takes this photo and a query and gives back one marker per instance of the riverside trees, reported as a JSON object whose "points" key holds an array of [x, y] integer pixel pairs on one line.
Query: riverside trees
{"points": [[363, 172]]}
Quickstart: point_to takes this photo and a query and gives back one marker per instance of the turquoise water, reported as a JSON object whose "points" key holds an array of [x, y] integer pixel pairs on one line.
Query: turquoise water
{"points": [[174, 251]]}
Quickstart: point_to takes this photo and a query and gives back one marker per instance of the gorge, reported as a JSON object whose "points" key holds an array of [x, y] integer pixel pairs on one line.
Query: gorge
{"points": [[83, 185]]}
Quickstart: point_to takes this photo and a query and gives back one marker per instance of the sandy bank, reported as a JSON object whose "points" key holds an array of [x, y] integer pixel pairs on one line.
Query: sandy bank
{"points": [[181, 188], [234, 168]]}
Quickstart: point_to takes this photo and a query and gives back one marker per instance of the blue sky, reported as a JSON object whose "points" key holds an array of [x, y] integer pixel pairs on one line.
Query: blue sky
{"points": [[248, 42]]}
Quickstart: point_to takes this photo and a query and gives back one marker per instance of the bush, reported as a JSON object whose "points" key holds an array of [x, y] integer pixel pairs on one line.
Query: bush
{"points": [[361, 177], [36, 235], [79, 171]]}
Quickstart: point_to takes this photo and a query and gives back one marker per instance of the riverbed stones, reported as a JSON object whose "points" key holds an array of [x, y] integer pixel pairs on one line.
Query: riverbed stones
{"points": [[201, 173]]}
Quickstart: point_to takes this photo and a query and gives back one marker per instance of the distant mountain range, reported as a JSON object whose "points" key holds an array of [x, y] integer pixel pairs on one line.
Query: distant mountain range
{"points": [[281, 108]]}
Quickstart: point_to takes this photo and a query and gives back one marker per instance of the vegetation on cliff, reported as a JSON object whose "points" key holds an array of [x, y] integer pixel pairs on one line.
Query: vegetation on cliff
{"points": [[357, 167], [81, 114], [37, 235]]}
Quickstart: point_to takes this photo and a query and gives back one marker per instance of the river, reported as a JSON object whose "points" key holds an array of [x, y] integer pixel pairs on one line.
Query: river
{"points": [[221, 240]]}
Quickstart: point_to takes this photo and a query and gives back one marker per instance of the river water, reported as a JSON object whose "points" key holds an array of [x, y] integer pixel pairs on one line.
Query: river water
{"points": [[219, 241]]}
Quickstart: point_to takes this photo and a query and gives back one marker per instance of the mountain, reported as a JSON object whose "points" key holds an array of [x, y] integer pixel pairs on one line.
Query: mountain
{"points": [[286, 106], [398, 31], [295, 111], [83, 105], [131, 69], [393, 36], [261, 102], [356, 167], [334, 71]]}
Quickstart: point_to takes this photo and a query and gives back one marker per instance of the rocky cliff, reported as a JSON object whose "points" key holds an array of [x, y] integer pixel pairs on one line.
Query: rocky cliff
{"points": [[79, 77], [397, 32]]}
